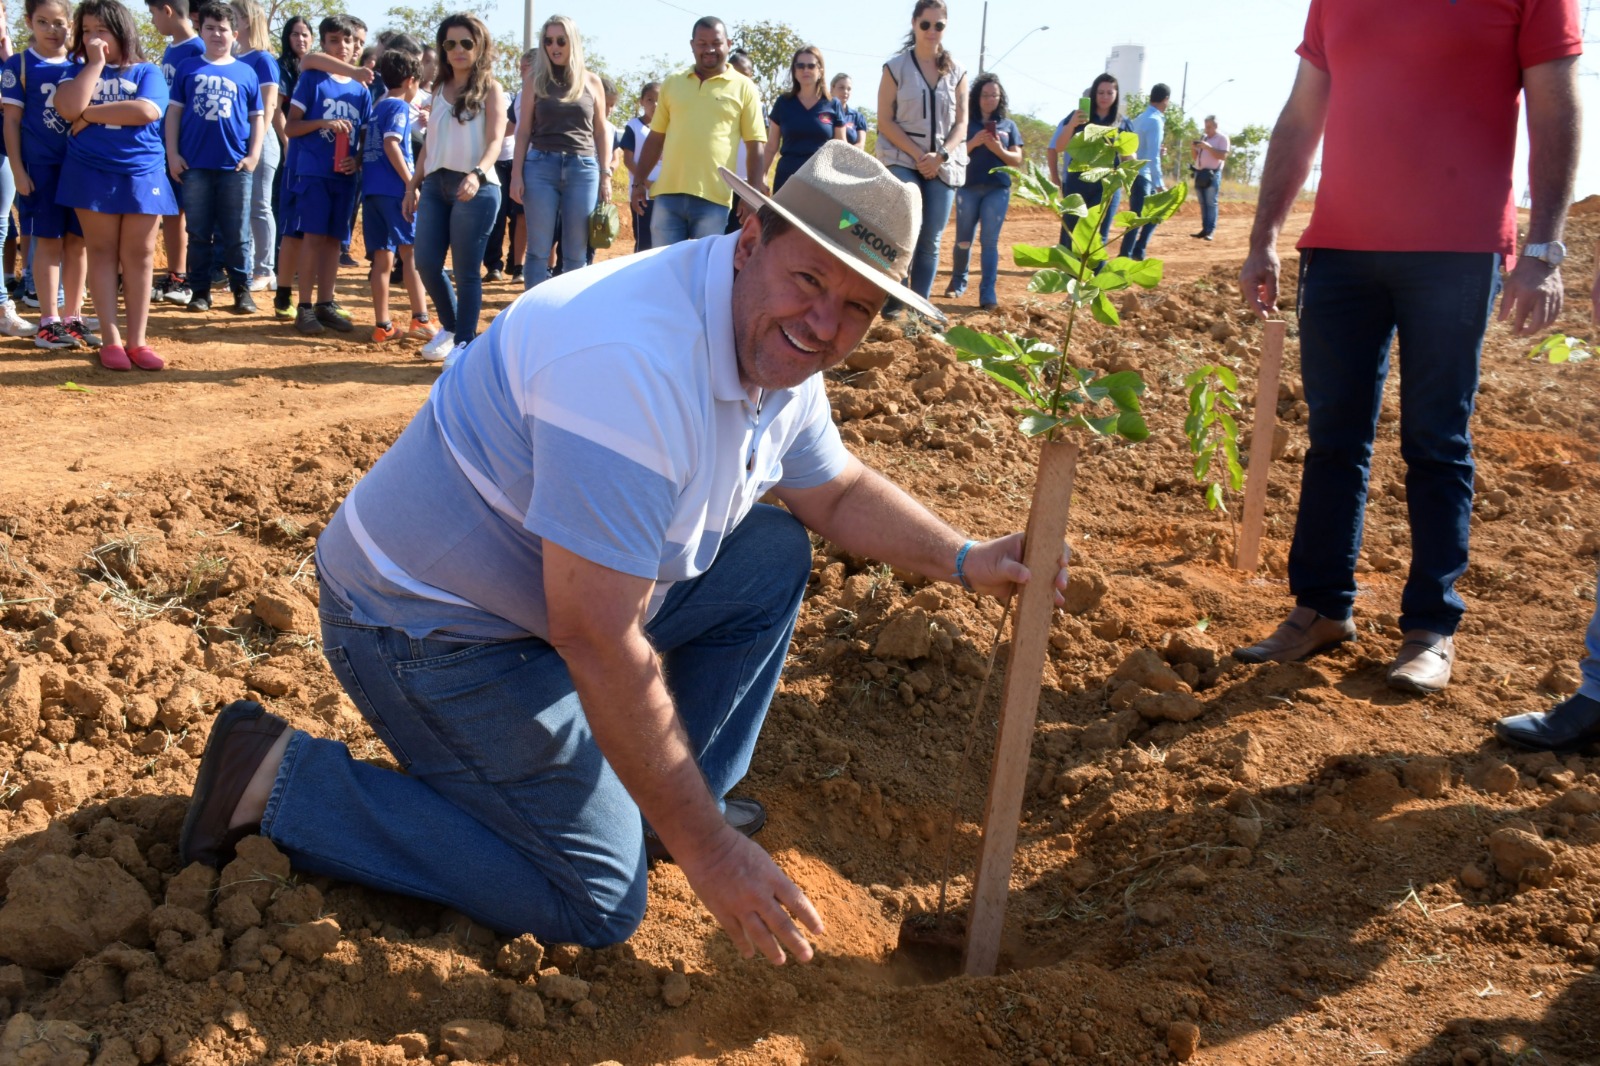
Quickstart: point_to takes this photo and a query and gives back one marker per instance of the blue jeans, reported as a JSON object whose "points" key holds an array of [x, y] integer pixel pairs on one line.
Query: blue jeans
{"points": [[975, 204], [445, 224], [1208, 203], [263, 224], [217, 201], [1136, 240], [1352, 304], [506, 809], [1590, 667], [677, 216], [557, 187], [937, 199]]}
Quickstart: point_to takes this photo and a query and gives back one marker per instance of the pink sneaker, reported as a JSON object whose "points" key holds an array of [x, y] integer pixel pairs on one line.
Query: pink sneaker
{"points": [[115, 357], [145, 358]]}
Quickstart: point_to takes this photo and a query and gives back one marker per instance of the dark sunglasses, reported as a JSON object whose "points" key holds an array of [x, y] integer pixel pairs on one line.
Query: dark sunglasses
{"points": [[451, 44], [805, 66], [925, 24], [555, 42]]}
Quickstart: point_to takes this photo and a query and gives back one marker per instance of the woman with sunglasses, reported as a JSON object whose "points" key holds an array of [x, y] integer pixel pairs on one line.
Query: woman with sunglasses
{"points": [[922, 123], [455, 192], [565, 147], [803, 119]]}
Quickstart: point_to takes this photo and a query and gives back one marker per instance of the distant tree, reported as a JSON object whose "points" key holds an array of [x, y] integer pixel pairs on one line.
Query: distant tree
{"points": [[281, 11], [772, 46], [1244, 153], [422, 22], [1036, 133]]}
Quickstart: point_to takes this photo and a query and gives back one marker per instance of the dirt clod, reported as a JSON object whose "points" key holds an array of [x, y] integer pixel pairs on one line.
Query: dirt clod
{"points": [[675, 989], [471, 1038], [520, 957], [1183, 1040], [59, 910], [1521, 857]]}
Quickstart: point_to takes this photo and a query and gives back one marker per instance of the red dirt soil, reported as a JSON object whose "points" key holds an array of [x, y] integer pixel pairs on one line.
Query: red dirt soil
{"points": [[1309, 868]]}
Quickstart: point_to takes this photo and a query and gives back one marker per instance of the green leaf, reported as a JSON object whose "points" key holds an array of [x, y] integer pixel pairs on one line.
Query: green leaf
{"points": [[1202, 464], [1057, 257], [1012, 377], [975, 345], [1036, 425], [1051, 282], [1203, 625], [1090, 147], [1085, 235], [1214, 496], [1195, 377], [73, 386], [1104, 311], [1123, 379], [1163, 205], [1108, 280], [1105, 425], [1094, 176], [1072, 204], [1125, 220], [1227, 377], [1229, 426], [1128, 144], [1132, 426], [1228, 400], [1126, 400], [1145, 274]]}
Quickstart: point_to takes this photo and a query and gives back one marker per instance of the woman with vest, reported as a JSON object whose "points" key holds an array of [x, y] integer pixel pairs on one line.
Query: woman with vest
{"points": [[922, 124]]}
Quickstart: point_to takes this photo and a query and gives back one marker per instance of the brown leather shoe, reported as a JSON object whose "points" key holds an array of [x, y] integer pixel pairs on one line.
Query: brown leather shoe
{"points": [[240, 738], [1303, 634], [1423, 665]]}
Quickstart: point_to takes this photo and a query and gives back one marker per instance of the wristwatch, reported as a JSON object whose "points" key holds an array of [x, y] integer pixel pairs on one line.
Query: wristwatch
{"points": [[483, 179], [1551, 254], [944, 153]]}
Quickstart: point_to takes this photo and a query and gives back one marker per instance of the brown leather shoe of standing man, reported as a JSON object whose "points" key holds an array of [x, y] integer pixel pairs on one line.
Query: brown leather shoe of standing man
{"points": [[1423, 665], [1303, 634]]}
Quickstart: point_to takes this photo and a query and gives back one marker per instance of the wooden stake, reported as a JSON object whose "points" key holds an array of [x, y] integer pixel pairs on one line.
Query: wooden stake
{"points": [[1261, 433], [1047, 525]]}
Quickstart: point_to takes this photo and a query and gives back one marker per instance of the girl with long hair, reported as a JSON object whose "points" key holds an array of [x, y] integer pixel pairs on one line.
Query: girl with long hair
{"points": [[803, 119], [993, 140], [564, 143], [922, 124], [1105, 107], [115, 171], [855, 121], [455, 193], [294, 43], [251, 47]]}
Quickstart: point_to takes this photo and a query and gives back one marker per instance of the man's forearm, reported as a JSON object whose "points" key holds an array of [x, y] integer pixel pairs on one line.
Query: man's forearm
{"points": [[874, 517], [1554, 137], [1287, 167]]}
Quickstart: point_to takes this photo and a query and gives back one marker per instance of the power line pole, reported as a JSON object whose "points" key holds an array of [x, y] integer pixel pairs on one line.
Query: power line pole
{"points": [[1183, 96], [983, 38], [527, 25]]}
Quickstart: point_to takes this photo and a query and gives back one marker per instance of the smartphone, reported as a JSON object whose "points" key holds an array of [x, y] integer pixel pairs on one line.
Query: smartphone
{"points": [[1083, 105], [341, 150], [989, 126]]}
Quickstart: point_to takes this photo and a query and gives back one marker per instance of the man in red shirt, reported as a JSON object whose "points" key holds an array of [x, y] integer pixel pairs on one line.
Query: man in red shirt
{"points": [[1413, 218]]}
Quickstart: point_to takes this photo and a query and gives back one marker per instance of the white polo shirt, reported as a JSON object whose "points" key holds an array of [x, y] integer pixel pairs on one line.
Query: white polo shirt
{"points": [[602, 410]]}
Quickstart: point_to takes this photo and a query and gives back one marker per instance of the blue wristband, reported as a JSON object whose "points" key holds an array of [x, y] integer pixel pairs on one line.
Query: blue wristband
{"points": [[961, 564]]}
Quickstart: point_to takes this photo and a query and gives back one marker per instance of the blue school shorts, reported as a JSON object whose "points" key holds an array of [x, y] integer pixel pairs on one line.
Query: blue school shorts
{"points": [[41, 214], [325, 207], [384, 228], [90, 189]]}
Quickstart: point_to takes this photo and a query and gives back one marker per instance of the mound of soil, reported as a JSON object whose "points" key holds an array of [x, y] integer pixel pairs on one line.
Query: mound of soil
{"points": [[1216, 863]]}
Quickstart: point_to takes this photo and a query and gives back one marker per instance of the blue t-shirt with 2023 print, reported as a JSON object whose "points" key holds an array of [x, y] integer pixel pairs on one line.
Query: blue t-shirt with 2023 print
{"points": [[391, 118], [29, 81], [320, 96], [132, 149], [217, 100], [178, 54]]}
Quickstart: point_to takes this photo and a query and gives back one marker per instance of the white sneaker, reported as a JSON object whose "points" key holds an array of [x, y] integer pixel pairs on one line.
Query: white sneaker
{"points": [[436, 349], [11, 324], [91, 322], [455, 355], [263, 282]]}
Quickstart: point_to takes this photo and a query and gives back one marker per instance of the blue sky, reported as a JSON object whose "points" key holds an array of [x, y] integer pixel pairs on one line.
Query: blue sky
{"points": [[1240, 53]]}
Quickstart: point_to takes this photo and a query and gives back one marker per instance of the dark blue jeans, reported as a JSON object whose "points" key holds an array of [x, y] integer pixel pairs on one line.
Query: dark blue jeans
{"points": [[1091, 192], [978, 206], [445, 224], [1136, 240], [937, 200], [217, 201], [1352, 304], [506, 809], [1208, 202]]}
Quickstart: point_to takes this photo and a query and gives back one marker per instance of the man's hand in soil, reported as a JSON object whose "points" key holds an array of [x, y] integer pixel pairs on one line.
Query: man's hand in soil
{"points": [[1259, 281], [994, 568], [1532, 298], [744, 890]]}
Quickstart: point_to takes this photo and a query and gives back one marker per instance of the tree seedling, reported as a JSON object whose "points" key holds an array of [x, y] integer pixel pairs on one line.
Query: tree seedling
{"points": [[1055, 397], [1213, 432], [1562, 349]]}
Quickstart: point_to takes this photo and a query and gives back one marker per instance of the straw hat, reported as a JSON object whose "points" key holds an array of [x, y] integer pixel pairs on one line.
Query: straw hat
{"points": [[849, 203]]}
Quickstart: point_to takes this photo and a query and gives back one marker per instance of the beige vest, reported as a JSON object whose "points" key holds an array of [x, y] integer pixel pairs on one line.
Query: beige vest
{"points": [[927, 114]]}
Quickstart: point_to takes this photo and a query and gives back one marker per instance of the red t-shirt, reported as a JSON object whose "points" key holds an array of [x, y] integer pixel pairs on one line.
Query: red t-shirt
{"points": [[1422, 118]]}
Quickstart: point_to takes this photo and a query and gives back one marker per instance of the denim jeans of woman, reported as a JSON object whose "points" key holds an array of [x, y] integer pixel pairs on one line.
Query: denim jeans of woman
{"points": [[980, 211], [263, 224], [937, 199], [8, 194], [445, 224], [506, 809], [557, 186], [1352, 306]]}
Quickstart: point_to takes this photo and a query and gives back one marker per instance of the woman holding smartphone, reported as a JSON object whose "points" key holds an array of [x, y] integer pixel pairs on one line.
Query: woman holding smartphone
{"points": [[993, 141], [1105, 109]]}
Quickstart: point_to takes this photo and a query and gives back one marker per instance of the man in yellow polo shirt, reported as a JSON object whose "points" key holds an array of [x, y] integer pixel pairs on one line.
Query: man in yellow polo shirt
{"points": [[703, 114]]}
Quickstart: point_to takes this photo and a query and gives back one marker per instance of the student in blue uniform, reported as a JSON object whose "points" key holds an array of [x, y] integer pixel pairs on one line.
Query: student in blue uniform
{"points": [[326, 108], [171, 19], [250, 24], [115, 171], [213, 134], [386, 166], [36, 141]]}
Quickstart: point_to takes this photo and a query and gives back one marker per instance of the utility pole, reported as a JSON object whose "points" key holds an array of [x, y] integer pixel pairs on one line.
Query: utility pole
{"points": [[1183, 96], [983, 37], [528, 27]]}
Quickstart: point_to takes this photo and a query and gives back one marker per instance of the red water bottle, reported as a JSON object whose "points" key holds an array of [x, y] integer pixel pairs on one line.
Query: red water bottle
{"points": [[341, 151]]}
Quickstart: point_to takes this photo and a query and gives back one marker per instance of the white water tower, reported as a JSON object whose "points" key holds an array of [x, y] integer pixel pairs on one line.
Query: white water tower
{"points": [[1126, 64]]}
